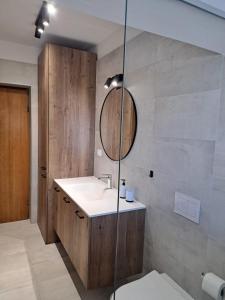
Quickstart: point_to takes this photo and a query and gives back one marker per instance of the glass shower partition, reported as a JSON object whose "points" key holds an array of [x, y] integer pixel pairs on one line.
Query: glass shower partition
{"points": [[174, 158], [109, 77], [135, 172]]}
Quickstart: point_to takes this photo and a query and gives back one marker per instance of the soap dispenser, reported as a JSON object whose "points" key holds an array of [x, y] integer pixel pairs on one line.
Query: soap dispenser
{"points": [[123, 189]]}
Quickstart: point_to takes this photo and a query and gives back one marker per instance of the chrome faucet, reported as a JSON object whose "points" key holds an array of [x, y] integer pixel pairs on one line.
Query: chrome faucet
{"points": [[109, 180]]}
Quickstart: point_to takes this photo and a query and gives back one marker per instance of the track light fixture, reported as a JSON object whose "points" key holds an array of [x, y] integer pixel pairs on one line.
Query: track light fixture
{"points": [[45, 15], [40, 28], [37, 33], [115, 81], [51, 9], [43, 18]]}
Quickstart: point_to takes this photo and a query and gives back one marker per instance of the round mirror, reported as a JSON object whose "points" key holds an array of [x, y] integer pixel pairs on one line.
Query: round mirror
{"points": [[110, 121]]}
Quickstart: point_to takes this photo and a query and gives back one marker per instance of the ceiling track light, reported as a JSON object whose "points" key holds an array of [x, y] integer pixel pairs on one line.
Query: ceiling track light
{"points": [[43, 18], [51, 9], [45, 15], [37, 33], [115, 81], [40, 28]]}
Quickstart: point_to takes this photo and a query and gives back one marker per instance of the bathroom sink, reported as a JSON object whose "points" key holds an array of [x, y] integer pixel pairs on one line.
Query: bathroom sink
{"points": [[92, 191], [93, 197]]}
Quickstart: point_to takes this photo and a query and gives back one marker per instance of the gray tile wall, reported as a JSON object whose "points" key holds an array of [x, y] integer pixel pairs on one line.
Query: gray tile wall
{"points": [[179, 92]]}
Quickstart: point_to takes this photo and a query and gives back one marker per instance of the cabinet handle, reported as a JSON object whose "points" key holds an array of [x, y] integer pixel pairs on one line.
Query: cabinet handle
{"points": [[57, 189], [43, 175], [43, 168], [78, 214], [66, 200]]}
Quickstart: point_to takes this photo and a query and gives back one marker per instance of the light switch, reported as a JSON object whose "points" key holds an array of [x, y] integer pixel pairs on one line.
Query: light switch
{"points": [[99, 152], [187, 207]]}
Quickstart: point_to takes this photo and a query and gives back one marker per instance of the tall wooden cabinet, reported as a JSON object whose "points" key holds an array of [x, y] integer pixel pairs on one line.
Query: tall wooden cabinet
{"points": [[66, 79]]}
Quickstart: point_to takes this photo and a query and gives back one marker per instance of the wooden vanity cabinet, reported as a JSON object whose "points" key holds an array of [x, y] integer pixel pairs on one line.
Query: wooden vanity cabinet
{"points": [[91, 242], [66, 123]]}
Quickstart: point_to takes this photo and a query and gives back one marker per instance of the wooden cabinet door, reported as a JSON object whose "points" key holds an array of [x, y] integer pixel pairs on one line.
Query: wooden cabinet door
{"points": [[63, 219], [71, 112], [43, 141], [67, 222], [57, 209], [80, 243]]}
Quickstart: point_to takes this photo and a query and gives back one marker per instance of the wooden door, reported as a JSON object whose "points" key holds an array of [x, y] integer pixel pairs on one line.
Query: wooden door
{"points": [[14, 154]]}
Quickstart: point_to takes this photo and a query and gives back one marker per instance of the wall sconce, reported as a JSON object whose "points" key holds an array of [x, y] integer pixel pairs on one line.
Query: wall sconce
{"points": [[115, 81]]}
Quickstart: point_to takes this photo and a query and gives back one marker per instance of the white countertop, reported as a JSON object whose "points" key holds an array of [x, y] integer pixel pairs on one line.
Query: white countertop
{"points": [[90, 194]]}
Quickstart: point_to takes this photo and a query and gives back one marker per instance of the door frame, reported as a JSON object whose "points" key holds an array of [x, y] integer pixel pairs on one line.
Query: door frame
{"points": [[28, 88]]}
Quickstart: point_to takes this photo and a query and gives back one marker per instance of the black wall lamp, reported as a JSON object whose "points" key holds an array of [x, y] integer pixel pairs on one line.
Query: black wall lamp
{"points": [[115, 81], [43, 18]]}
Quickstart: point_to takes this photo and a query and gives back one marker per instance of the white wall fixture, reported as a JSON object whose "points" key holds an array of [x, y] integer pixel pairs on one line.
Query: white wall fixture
{"points": [[187, 207]]}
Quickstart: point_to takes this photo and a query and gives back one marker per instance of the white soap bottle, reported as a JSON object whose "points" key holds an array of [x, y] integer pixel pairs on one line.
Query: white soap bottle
{"points": [[123, 189]]}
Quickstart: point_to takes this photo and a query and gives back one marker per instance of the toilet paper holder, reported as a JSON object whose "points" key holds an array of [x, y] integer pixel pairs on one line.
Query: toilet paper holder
{"points": [[222, 293]]}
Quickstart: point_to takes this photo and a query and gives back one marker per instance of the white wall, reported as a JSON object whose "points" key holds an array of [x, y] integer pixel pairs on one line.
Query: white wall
{"points": [[18, 52], [114, 41], [24, 74]]}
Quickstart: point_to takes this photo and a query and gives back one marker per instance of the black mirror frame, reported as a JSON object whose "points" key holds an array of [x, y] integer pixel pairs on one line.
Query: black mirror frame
{"points": [[135, 131]]}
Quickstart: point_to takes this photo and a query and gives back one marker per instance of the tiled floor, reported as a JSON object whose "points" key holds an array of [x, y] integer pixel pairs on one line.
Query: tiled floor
{"points": [[31, 270]]}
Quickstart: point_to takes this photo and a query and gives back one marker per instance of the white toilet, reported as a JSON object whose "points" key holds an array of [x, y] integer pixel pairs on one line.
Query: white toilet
{"points": [[153, 286]]}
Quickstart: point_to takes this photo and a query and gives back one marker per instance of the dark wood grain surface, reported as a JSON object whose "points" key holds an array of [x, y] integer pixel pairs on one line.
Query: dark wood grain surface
{"points": [[69, 87]]}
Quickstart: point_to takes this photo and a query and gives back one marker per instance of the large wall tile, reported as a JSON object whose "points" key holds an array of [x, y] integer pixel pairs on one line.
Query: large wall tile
{"points": [[142, 51], [217, 220], [191, 116], [218, 183], [184, 159], [178, 52], [194, 76], [215, 257], [219, 158], [180, 135]]}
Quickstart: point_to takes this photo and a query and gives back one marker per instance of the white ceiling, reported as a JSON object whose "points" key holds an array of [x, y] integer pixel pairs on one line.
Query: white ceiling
{"points": [[216, 7], [86, 23], [69, 26]]}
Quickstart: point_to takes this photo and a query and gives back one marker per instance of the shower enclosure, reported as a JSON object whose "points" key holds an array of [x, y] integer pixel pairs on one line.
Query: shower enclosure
{"points": [[175, 163]]}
